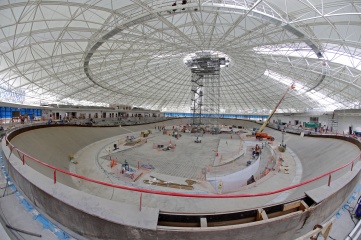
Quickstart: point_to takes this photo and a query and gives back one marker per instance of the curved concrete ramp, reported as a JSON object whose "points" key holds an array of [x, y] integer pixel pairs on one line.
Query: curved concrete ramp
{"points": [[318, 156], [53, 146], [71, 207]]}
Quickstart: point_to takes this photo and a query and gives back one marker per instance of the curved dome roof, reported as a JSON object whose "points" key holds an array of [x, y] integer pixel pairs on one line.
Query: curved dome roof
{"points": [[133, 52]]}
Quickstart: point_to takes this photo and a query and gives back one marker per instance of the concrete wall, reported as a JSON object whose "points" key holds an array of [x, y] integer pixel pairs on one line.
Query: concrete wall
{"points": [[329, 199], [233, 181], [98, 218], [87, 215], [344, 122]]}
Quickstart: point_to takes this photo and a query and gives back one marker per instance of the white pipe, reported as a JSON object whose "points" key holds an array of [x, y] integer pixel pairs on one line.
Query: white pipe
{"points": [[356, 228], [358, 234]]}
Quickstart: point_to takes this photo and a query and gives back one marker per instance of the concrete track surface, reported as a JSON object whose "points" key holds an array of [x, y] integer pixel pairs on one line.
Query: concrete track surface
{"points": [[53, 146], [113, 213]]}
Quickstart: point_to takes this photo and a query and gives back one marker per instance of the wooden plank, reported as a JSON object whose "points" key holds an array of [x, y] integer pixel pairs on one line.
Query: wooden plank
{"points": [[291, 205], [303, 206], [137, 177], [327, 229], [299, 205], [282, 213], [177, 224], [204, 222], [261, 214], [232, 222], [324, 230], [264, 215]]}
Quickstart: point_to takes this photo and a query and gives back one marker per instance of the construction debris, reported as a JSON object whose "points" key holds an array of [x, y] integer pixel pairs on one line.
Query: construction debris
{"points": [[159, 182], [190, 182]]}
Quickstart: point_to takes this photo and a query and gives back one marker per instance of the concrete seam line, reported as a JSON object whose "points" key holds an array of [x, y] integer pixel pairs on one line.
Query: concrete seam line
{"points": [[296, 179], [60, 234]]}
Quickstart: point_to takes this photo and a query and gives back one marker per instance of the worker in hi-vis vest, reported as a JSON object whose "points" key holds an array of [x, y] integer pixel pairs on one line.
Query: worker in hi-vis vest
{"points": [[220, 186]]}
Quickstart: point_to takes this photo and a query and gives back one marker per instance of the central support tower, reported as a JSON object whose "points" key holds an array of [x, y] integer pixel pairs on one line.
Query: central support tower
{"points": [[205, 102]]}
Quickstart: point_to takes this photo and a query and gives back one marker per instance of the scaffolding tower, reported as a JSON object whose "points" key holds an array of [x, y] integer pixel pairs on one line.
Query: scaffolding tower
{"points": [[205, 88], [211, 99], [197, 95]]}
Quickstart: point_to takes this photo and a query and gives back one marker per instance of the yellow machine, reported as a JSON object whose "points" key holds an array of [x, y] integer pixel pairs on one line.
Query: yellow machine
{"points": [[270, 116]]}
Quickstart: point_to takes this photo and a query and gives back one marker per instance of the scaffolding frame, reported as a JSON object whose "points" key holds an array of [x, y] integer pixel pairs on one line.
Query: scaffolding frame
{"points": [[206, 90]]}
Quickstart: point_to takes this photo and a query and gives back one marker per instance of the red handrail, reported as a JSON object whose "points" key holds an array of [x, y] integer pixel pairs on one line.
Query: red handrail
{"points": [[176, 194]]}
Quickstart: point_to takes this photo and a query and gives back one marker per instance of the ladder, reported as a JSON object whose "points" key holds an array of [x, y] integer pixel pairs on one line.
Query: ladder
{"points": [[333, 122]]}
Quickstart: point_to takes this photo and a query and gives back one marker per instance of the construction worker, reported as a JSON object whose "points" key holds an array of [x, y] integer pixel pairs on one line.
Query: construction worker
{"points": [[220, 186]]}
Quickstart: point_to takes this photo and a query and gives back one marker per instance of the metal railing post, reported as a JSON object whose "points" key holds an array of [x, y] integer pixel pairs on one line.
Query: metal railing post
{"points": [[140, 201]]}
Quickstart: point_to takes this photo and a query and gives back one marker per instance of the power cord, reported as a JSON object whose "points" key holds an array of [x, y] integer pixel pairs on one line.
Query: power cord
{"points": [[5, 222], [350, 211]]}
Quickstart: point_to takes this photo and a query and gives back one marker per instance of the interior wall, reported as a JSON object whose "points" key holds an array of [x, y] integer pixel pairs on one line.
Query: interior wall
{"points": [[343, 121]]}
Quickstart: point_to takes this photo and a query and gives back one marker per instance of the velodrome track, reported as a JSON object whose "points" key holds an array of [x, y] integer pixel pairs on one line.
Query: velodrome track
{"points": [[53, 146]]}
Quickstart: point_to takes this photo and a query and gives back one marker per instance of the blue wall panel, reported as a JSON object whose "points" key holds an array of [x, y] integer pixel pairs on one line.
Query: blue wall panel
{"points": [[6, 112]]}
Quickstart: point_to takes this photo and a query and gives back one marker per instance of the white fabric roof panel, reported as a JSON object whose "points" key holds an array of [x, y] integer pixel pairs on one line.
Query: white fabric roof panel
{"points": [[131, 52]]}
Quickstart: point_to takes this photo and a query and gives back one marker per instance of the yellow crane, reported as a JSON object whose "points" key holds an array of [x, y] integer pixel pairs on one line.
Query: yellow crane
{"points": [[274, 110]]}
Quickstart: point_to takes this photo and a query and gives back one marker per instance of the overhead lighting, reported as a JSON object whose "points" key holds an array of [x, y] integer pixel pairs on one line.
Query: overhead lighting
{"points": [[183, 3]]}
